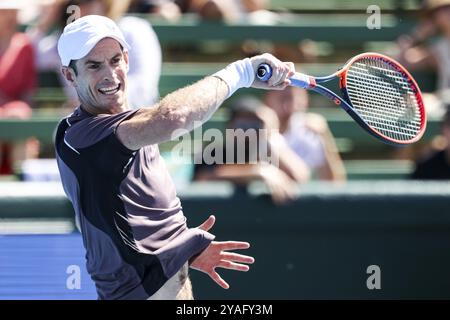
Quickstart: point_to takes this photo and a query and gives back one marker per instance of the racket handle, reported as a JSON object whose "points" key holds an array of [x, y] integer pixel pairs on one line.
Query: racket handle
{"points": [[264, 72], [300, 80]]}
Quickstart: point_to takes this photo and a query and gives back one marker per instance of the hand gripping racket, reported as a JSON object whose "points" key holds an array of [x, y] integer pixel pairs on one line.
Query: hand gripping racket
{"points": [[377, 92]]}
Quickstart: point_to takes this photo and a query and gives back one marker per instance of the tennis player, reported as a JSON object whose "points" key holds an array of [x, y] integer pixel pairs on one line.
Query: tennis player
{"points": [[138, 245]]}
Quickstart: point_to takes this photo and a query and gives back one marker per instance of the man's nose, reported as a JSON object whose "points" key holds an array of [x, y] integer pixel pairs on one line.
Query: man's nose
{"points": [[109, 73]]}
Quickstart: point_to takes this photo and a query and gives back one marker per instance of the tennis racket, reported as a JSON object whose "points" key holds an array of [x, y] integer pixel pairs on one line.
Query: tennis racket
{"points": [[377, 92]]}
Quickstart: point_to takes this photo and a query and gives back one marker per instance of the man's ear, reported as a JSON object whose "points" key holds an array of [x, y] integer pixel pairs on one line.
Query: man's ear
{"points": [[69, 75]]}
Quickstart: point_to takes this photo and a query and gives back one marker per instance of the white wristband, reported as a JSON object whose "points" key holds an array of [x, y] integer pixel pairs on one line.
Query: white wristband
{"points": [[237, 75]]}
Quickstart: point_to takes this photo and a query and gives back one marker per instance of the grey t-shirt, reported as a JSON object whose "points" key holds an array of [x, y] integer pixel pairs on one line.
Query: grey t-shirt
{"points": [[126, 207]]}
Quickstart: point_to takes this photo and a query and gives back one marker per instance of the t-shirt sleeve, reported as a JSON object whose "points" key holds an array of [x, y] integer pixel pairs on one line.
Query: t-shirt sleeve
{"points": [[187, 245], [96, 142]]}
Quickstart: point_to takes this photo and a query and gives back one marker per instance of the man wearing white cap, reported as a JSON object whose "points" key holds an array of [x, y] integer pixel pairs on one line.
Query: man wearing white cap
{"points": [[137, 243]]}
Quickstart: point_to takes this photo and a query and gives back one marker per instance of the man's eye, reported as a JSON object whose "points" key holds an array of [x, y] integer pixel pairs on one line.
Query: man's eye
{"points": [[93, 66], [116, 61]]}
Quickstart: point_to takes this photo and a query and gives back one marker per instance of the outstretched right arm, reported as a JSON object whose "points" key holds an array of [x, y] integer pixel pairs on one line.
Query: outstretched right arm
{"points": [[191, 106], [182, 109]]}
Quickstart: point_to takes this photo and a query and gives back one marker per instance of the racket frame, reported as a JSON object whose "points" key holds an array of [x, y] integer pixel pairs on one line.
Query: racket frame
{"points": [[313, 83]]}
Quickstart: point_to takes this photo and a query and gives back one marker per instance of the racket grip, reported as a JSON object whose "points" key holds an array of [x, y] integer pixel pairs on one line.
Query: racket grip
{"points": [[264, 72]]}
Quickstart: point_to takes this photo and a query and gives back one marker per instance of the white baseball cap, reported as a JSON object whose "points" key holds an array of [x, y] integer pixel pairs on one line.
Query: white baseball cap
{"points": [[80, 36]]}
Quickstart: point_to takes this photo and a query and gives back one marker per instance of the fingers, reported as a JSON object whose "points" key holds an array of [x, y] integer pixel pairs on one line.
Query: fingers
{"points": [[231, 256], [208, 224], [214, 256], [285, 71], [234, 245], [281, 72], [218, 279], [291, 68], [288, 72], [280, 75], [233, 266]]}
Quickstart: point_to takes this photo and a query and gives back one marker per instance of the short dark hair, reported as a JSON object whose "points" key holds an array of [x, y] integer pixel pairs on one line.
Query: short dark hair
{"points": [[73, 65]]}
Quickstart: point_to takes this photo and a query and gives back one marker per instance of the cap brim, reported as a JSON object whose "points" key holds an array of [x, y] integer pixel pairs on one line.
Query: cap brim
{"points": [[91, 43]]}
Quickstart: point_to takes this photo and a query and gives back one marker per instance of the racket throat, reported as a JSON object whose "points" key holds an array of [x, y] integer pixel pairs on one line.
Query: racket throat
{"points": [[343, 103], [303, 81]]}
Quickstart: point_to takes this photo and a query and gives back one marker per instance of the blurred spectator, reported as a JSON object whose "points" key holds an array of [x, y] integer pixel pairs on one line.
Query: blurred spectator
{"points": [[306, 133], [429, 47], [145, 59], [170, 10], [249, 113], [437, 165], [248, 11], [17, 84]]}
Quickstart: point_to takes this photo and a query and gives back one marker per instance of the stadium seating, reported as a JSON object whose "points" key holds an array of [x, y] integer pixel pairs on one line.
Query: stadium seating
{"points": [[204, 47]]}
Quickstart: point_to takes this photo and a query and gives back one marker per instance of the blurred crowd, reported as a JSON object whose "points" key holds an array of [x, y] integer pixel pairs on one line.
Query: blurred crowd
{"points": [[300, 141], [222, 10], [428, 47], [305, 146]]}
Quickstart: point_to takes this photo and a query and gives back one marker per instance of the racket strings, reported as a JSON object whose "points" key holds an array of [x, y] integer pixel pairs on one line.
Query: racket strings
{"points": [[385, 98], [372, 107], [376, 104], [393, 113], [362, 81]]}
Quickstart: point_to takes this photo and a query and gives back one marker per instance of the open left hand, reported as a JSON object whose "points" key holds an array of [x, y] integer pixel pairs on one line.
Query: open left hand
{"points": [[215, 256]]}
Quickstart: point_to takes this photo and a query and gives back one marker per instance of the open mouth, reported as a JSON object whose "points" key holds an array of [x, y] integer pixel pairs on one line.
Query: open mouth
{"points": [[110, 90]]}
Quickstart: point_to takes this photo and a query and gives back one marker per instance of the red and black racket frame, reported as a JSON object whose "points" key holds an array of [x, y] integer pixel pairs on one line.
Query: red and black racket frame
{"points": [[345, 101]]}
